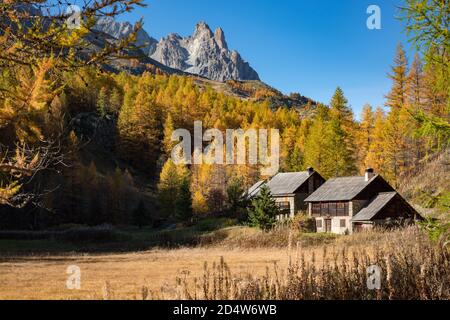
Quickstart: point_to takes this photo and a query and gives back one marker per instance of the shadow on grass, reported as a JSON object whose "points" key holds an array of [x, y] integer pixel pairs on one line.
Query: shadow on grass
{"points": [[105, 239]]}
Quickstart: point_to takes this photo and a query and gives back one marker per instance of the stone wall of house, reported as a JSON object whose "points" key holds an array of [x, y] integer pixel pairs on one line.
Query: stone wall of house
{"points": [[335, 225]]}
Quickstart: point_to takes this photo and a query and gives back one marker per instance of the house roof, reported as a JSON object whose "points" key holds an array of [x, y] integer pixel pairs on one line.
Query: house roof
{"points": [[253, 191], [377, 204], [340, 189], [287, 183], [281, 183]]}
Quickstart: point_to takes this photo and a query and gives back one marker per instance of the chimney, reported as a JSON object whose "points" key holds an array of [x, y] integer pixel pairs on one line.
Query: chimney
{"points": [[310, 170], [369, 174]]}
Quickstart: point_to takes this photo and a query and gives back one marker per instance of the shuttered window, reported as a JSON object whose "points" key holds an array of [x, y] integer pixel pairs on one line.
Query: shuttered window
{"points": [[319, 224], [324, 209], [332, 208], [342, 208], [316, 209]]}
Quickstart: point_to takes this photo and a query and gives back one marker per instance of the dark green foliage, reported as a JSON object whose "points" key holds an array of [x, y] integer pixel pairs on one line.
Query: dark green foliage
{"points": [[183, 203], [263, 211], [237, 201], [140, 215]]}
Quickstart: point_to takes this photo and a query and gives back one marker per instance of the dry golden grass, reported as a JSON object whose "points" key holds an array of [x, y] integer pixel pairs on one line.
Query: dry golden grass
{"points": [[179, 273], [44, 277]]}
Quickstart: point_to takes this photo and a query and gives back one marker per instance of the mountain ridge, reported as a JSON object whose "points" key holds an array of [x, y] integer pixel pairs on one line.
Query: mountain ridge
{"points": [[204, 53]]}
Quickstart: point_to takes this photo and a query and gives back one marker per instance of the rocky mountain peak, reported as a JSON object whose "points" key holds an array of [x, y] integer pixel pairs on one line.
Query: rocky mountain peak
{"points": [[203, 53], [202, 32], [219, 36]]}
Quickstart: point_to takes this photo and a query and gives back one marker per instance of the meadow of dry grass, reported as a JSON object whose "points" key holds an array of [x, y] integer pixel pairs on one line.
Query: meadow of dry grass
{"points": [[44, 277], [412, 265]]}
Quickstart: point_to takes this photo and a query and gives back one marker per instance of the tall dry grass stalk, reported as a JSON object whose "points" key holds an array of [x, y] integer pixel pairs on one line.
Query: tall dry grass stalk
{"points": [[412, 267]]}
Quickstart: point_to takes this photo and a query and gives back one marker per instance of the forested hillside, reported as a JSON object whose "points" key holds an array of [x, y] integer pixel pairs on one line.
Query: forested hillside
{"points": [[86, 146]]}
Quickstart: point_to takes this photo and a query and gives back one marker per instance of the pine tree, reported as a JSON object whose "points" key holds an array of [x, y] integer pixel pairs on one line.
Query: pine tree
{"points": [[316, 145], [395, 145], [375, 158], [415, 90], [174, 192], [183, 202], [329, 147], [341, 112], [397, 97], [102, 102], [139, 128], [264, 210], [338, 156], [199, 203], [365, 136], [168, 188], [341, 146], [168, 144], [115, 101]]}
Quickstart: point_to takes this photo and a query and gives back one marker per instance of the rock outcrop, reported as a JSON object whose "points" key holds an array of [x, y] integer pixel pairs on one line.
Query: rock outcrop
{"points": [[121, 30]]}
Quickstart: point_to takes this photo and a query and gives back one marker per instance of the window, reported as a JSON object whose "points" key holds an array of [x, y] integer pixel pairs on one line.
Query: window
{"points": [[342, 209], [343, 223], [319, 224], [316, 209], [284, 206], [332, 207], [324, 209]]}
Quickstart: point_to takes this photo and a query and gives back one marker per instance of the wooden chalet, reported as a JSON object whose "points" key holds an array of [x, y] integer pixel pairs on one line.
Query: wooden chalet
{"points": [[348, 204]]}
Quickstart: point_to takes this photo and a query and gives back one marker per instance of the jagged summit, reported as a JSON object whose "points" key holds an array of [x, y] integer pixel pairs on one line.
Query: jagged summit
{"points": [[202, 31], [204, 53], [219, 36]]}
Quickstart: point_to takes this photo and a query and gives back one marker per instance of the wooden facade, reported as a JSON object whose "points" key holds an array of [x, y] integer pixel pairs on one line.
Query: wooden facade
{"points": [[348, 204]]}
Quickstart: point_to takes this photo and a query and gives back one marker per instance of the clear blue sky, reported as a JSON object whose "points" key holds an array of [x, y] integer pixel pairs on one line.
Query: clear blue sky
{"points": [[310, 47]]}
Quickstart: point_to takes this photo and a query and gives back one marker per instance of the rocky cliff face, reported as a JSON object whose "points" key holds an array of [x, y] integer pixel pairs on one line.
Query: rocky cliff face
{"points": [[120, 30], [203, 53]]}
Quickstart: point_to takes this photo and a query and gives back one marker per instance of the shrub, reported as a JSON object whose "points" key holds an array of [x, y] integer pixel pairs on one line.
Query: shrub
{"points": [[303, 223]]}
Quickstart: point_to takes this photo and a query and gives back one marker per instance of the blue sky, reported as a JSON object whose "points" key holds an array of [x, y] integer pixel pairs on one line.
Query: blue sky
{"points": [[310, 47]]}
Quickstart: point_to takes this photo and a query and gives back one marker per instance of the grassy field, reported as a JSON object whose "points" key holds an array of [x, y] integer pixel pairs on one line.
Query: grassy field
{"points": [[138, 258], [44, 277], [241, 263]]}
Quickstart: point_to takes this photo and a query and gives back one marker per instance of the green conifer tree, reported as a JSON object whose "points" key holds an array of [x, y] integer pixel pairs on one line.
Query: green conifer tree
{"points": [[264, 210]]}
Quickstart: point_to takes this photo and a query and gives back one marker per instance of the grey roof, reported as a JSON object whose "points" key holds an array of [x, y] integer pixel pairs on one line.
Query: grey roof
{"points": [[281, 183], [253, 191], [287, 183], [380, 201], [340, 189]]}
